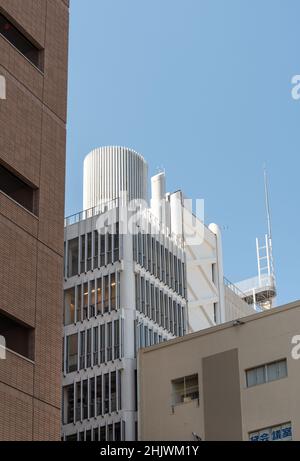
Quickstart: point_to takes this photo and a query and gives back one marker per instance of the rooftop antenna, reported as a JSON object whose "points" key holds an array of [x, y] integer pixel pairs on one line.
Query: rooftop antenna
{"points": [[267, 199], [266, 273], [261, 291]]}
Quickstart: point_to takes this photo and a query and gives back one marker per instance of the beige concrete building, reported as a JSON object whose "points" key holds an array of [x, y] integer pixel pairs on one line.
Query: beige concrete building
{"points": [[236, 381]]}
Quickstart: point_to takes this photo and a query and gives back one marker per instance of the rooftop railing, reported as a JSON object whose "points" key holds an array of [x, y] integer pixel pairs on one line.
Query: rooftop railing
{"points": [[241, 294], [263, 282], [91, 212]]}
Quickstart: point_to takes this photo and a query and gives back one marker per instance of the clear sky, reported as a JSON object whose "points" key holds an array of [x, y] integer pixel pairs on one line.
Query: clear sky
{"points": [[201, 88]]}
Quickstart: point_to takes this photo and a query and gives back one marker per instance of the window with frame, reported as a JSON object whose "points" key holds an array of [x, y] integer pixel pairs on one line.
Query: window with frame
{"points": [[185, 390], [92, 398], [99, 297], [89, 252], [19, 337], [147, 309], [79, 302], [106, 393], [118, 432], [137, 292], [85, 309], [95, 345], [88, 348], [116, 339], [78, 400], [166, 320], [85, 398], [158, 265], [102, 343], [69, 399], [82, 350], [110, 432], [113, 391], [95, 434], [109, 341], [157, 304], [102, 250], [175, 318], [82, 253], [144, 251], [72, 353], [96, 248], [116, 243], [106, 294], [103, 433], [171, 314], [109, 248], [153, 256], [119, 383], [25, 46], [167, 267], [180, 287], [140, 252], [162, 314], [176, 273], [162, 260], [149, 251], [99, 395], [266, 373], [113, 298], [71, 438], [92, 298], [172, 284], [72, 260], [179, 310], [17, 189], [143, 294], [146, 336], [152, 302]]}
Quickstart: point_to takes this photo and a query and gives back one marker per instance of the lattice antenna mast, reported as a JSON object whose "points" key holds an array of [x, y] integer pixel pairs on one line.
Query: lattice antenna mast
{"points": [[265, 252], [269, 238], [267, 199]]}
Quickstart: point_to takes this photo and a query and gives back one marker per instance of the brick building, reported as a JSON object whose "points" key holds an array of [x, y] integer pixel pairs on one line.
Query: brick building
{"points": [[33, 65]]}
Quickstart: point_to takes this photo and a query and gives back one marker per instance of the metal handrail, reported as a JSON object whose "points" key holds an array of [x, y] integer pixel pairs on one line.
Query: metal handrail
{"points": [[234, 288], [90, 212]]}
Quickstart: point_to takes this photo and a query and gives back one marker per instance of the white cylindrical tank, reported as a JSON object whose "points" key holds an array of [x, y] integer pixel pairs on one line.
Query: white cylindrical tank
{"points": [[110, 171], [176, 214], [158, 193]]}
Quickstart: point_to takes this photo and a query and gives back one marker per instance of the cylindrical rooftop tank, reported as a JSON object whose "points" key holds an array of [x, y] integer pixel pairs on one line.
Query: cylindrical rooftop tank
{"points": [[109, 171], [158, 196]]}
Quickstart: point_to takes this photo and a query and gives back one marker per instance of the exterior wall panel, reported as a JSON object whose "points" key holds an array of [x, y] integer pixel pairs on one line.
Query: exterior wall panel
{"points": [[32, 146], [228, 409]]}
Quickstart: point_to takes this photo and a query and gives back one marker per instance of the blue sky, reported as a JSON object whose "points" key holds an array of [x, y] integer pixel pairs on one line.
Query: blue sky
{"points": [[203, 89]]}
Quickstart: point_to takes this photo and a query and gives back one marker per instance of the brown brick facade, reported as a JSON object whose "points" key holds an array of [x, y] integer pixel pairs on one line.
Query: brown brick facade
{"points": [[32, 145]]}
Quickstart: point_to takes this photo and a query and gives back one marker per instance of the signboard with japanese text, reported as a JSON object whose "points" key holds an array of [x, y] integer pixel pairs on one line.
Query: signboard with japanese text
{"points": [[275, 433]]}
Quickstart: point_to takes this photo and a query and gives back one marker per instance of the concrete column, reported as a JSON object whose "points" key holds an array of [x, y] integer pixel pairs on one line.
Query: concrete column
{"points": [[220, 273], [127, 285]]}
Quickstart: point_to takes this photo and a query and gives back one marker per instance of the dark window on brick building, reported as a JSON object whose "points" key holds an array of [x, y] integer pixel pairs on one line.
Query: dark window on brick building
{"points": [[19, 41], [18, 337], [18, 190]]}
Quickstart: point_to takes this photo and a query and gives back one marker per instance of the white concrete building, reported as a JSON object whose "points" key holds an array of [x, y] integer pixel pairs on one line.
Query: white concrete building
{"points": [[129, 271], [123, 290], [211, 298]]}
